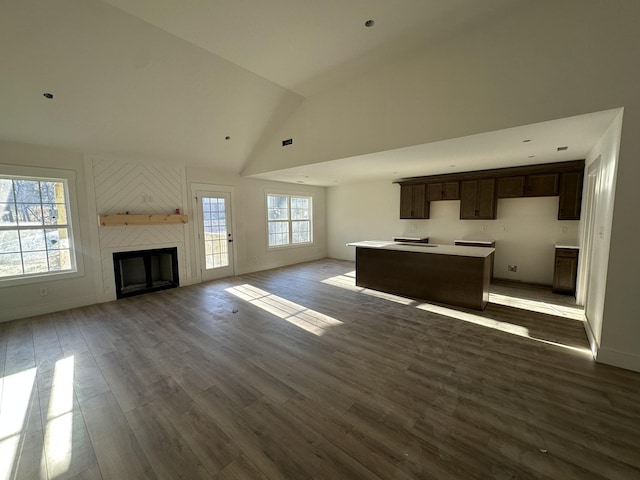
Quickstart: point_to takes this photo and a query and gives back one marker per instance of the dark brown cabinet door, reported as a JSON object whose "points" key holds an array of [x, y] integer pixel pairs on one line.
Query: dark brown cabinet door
{"points": [[566, 271], [542, 185], [511, 187], [478, 199], [412, 202], [570, 195], [443, 191]]}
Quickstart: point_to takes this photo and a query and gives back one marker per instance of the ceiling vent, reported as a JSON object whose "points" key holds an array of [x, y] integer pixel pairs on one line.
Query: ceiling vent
{"points": [[562, 149], [287, 142]]}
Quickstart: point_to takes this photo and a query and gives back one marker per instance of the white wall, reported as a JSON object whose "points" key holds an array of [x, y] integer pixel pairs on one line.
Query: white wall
{"points": [[25, 300], [107, 184], [525, 231], [605, 152], [250, 221]]}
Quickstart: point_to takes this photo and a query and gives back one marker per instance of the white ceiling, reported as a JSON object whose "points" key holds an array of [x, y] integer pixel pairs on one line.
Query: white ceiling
{"points": [[502, 148], [310, 45], [168, 80]]}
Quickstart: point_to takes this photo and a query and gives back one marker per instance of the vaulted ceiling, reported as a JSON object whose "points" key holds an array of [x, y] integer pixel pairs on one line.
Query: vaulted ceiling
{"points": [[170, 80]]}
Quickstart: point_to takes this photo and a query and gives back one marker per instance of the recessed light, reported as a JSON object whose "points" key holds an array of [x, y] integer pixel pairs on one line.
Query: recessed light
{"points": [[526, 141], [452, 165], [227, 137], [531, 156], [48, 95], [562, 149], [369, 23]]}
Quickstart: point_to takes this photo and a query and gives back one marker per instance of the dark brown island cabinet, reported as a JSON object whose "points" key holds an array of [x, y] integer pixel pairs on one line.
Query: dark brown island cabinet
{"points": [[449, 274], [565, 271]]}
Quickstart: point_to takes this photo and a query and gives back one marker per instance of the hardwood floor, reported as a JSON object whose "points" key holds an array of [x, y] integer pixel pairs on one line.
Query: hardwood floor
{"points": [[297, 373]]}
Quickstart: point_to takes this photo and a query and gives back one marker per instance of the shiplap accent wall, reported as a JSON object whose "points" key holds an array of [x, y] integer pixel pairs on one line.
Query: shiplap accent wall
{"points": [[135, 187]]}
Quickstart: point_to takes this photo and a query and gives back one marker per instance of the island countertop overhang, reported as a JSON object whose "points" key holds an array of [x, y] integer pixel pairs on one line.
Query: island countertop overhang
{"points": [[459, 250]]}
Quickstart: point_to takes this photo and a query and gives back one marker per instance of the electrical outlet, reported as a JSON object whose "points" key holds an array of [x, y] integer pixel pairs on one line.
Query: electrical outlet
{"points": [[565, 229], [512, 268], [44, 292], [484, 228]]}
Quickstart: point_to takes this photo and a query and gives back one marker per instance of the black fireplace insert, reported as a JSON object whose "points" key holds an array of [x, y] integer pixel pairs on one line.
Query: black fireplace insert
{"points": [[145, 271]]}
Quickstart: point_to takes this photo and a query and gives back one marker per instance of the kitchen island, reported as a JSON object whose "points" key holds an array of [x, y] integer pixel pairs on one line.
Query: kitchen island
{"points": [[450, 274]]}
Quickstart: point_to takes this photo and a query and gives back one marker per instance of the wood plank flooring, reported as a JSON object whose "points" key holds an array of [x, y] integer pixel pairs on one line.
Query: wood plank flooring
{"points": [[296, 373]]}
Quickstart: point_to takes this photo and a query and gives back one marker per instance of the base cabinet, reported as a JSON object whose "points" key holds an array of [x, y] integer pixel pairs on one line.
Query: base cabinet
{"points": [[565, 271]]}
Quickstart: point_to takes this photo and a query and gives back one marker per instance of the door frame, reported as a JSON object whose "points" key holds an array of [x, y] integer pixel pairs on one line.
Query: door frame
{"points": [[592, 184], [211, 188]]}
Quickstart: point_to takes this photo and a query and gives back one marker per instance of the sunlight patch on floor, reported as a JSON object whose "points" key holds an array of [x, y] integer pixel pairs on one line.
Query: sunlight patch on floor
{"points": [[58, 437], [348, 282], [298, 315], [574, 313], [506, 327], [14, 404]]}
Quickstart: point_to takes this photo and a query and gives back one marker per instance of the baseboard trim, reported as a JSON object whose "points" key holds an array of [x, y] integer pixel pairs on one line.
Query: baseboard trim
{"points": [[593, 343], [619, 359], [32, 311]]}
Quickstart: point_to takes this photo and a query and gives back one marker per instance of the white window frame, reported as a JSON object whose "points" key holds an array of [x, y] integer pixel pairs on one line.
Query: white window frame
{"points": [[68, 177], [287, 194]]}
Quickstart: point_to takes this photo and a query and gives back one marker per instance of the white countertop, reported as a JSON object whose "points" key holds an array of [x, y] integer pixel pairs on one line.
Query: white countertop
{"points": [[560, 245], [481, 242], [425, 248]]}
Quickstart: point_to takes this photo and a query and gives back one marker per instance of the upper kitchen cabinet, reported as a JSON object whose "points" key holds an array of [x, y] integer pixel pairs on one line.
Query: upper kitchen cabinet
{"points": [[443, 191], [511, 187], [479, 190], [478, 199], [570, 195], [412, 202], [541, 185], [534, 185]]}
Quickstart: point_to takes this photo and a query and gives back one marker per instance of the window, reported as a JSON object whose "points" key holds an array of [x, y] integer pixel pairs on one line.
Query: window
{"points": [[35, 227], [289, 220]]}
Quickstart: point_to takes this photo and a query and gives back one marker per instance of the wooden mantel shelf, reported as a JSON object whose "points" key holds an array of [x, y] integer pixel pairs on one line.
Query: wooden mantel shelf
{"points": [[140, 219]]}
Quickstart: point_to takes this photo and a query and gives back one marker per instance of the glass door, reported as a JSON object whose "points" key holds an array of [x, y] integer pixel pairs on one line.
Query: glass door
{"points": [[215, 240]]}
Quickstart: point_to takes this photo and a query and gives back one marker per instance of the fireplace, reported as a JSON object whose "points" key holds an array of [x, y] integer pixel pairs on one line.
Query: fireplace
{"points": [[145, 271]]}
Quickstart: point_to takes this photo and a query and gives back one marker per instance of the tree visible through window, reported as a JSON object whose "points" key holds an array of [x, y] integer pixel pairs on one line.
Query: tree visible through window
{"points": [[35, 229], [289, 220]]}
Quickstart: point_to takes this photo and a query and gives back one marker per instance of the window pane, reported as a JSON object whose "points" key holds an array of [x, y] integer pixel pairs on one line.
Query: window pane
{"points": [[32, 240], [26, 247], [54, 214], [301, 232], [57, 238], [27, 191], [278, 233], [52, 192], [277, 207], [10, 264], [6, 190], [8, 214], [29, 213], [35, 262], [59, 260], [300, 208], [9, 241]]}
